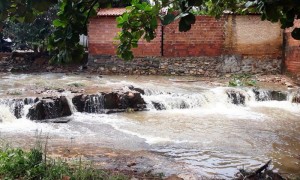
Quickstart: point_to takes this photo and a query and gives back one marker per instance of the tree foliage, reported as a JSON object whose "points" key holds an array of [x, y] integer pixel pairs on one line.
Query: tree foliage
{"points": [[140, 21], [31, 35], [282, 11]]}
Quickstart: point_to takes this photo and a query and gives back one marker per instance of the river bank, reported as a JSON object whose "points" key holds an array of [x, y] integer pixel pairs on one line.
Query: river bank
{"points": [[198, 130]]}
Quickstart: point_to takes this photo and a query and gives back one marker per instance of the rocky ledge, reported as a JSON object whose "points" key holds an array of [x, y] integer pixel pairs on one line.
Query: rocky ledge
{"points": [[59, 109]]}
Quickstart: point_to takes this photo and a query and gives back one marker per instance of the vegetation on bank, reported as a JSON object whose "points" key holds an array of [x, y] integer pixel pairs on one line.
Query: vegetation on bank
{"points": [[242, 80], [16, 163]]}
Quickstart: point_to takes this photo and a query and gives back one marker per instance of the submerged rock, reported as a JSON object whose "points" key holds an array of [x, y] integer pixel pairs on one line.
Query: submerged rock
{"points": [[269, 95], [18, 108], [158, 106], [236, 97], [50, 108], [296, 97]]}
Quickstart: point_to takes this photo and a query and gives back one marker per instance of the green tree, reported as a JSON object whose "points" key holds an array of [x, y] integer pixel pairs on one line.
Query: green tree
{"points": [[33, 35], [140, 21]]}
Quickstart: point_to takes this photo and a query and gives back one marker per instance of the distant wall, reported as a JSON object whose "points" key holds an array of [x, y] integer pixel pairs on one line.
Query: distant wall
{"points": [[103, 30], [232, 34], [206, 38], [246, 40], [249, 36]]}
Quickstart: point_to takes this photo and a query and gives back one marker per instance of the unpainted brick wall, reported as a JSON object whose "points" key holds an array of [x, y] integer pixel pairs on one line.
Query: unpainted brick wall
{"points": [[103, 30], [206, 38], [292, 52], [231, 34]]}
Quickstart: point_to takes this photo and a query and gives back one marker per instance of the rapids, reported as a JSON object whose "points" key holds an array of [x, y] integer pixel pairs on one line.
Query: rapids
{"points": [[197, 127]]}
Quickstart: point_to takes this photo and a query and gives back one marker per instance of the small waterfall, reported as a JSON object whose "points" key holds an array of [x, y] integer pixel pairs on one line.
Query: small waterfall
{"points": [[94, 104], [222, 97], [165, 100]]}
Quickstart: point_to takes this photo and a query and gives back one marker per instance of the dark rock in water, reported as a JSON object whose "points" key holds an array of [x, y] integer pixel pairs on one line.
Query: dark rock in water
{"points": [[79, 102], [296, 97], [136, 89], [236, 97], [94, 103], [278, 96], [89, 103], [50, 108], [261, 95], [18, 108], [131, 100], [28, 101], [269, 95], [158, 106], [109, 102]]}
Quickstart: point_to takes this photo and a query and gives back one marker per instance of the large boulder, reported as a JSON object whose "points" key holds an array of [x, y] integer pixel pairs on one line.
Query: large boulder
{"points": [[50, 108]]}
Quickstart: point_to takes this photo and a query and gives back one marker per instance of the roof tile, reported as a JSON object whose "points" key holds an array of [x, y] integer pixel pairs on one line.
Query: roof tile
{"points": [[111, 12]]}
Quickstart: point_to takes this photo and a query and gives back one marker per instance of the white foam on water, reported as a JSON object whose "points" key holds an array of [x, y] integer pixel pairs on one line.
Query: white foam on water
{"points": [[6, 115]]}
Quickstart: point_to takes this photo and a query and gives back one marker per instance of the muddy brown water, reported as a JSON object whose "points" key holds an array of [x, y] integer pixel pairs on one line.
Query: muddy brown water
{"points": [[209, 137]]}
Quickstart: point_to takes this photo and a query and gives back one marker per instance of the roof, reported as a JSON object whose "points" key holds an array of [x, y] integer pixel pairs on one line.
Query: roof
{"points": [[111, 12]]}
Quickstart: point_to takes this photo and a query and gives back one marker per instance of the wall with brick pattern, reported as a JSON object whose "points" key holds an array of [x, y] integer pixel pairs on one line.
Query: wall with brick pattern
{"points": [[245, 37], [103, 30], [206, 38], [292, 52], [231, 34]]}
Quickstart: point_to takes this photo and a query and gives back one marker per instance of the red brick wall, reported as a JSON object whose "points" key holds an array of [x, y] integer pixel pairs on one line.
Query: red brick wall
{"points": [[292, 52], [237, 35], [101, 33], [206, 38]]}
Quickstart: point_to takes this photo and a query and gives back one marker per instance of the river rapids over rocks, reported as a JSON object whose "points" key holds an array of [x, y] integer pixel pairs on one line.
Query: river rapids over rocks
{"points": [[171, 125]]}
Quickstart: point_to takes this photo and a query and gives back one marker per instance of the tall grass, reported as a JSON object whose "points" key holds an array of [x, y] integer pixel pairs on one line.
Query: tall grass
{"points": [[16, 163], [34, 164]]}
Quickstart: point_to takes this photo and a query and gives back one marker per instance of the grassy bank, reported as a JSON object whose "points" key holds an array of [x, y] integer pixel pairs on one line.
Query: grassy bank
{"points": [[16, 163]]}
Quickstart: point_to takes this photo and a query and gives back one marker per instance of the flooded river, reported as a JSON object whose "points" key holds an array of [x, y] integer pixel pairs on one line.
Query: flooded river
{"points": [[198, 131]]}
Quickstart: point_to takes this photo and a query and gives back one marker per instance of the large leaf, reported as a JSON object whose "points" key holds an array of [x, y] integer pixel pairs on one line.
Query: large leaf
{"points": [[189, 19], [183, 26], [169, 18], [296, 33], [195, 2], [59, 23]]}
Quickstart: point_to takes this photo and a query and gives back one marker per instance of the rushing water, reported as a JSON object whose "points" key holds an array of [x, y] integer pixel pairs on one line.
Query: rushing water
{"points": [[199, 127]]}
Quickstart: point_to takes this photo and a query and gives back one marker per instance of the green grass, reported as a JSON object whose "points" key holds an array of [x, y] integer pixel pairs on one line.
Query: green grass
{"points": [[242, 80], [14, 93], [76, 84], [16, 163]]}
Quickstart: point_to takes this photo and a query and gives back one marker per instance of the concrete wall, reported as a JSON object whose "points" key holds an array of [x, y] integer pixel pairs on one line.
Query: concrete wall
{"points": [[249, 36]]}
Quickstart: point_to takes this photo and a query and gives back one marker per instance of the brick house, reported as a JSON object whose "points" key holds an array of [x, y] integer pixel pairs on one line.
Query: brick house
{"points": [[239, 43]]}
